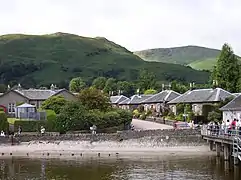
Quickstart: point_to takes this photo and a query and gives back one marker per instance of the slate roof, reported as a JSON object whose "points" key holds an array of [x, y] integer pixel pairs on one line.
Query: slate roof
{"points": [[233, 105], [38, 94], [163, 96], [117, 99], [135, 99], [125, 102], [202, 96], [236, 94]]}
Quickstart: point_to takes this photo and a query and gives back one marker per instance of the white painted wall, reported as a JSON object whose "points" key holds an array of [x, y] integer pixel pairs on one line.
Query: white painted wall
{"points": [[231, 115]]}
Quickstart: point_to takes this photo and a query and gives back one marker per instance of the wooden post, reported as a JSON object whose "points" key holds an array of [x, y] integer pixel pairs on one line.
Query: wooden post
{"points": [[226, 152], [211, 145], [218, 149]]}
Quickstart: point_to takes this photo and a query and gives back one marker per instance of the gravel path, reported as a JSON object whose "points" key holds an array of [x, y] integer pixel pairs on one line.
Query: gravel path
{"points": [[145, 125]]}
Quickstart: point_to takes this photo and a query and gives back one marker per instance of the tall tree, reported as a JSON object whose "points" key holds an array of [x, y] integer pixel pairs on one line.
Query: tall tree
{"points": [[99, 83], [126, 88], [76, 84], [110, 85], [227, 70], [147, 80], [93, 98]]}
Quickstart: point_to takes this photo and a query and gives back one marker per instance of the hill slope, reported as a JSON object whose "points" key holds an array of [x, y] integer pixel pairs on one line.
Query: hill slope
{"points": [[56, 58], [194, 56]]}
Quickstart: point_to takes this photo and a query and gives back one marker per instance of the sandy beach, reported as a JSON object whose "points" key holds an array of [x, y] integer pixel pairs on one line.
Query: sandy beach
{"points": [[100, 149]]}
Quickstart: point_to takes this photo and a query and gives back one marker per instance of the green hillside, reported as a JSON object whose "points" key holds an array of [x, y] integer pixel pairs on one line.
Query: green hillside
{"points": [[194, 56], [56, 58]]}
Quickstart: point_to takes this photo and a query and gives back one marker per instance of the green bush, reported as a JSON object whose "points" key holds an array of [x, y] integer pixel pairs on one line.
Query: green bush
{"points": [[1, 109], [179, 117], [171, 115], [148, 113], [3, 121], [143, 116], [51, 120], [75, 117], [136, 113], [180, 108]]}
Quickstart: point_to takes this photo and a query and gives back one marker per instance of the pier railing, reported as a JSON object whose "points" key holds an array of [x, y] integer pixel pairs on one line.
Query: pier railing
{"points": [[221, 131], [230, 135], [237, 147]]}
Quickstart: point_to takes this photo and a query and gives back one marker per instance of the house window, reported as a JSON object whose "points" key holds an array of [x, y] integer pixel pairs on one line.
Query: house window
{"points": [[195, 108], [11, 108]]}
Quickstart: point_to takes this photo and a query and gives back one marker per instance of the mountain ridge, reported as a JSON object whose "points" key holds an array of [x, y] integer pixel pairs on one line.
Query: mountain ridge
{"points": [[38, 60]]}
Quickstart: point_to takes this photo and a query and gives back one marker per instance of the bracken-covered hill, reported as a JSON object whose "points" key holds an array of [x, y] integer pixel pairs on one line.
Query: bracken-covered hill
{"points": [[194, 56], [36, 60]]}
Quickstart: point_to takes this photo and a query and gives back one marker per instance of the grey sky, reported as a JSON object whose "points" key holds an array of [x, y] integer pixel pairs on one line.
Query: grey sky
{"points": [[135, 24]]}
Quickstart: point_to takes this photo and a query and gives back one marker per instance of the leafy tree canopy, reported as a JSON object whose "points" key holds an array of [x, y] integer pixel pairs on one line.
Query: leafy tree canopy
{"points": [[99, 83], [150, 91], [93, 98], [76, 84], [110, 86], [147, 80], [54, 103]]}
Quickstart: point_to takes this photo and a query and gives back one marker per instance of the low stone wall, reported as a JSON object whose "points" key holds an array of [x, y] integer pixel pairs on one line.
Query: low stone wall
{"points": [[160, 120], [169, 137]]}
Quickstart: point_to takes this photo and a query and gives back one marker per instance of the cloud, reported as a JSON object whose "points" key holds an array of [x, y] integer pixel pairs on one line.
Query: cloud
{"points": [[135, 24]]}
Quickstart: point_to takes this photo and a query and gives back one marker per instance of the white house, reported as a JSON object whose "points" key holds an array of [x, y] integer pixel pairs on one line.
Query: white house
{"points": [[232, 109]]}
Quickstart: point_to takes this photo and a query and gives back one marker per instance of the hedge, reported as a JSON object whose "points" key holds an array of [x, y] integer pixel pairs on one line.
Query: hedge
{"points": [[29, 125], [3, 122]]}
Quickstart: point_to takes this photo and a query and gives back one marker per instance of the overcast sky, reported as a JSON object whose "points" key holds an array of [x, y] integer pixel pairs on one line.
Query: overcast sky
{"points": [[135, 24]]}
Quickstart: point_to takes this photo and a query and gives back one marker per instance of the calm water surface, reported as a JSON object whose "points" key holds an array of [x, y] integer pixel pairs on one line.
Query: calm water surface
{"points": [[155, 168]]}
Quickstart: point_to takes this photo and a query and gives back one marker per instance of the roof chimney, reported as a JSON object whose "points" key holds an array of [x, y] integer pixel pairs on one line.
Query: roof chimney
{"points": [[163, 87], [19, 86], [52, 87], [215, 84]]}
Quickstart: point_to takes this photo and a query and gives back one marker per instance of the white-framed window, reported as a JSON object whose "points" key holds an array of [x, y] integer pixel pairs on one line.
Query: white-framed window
{"points": [[11, 108]]}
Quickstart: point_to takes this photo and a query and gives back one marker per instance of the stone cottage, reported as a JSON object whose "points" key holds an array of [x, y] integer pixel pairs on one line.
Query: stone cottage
{"points": [[199, 97], [10, 99], [160, 99], [232, 109]]}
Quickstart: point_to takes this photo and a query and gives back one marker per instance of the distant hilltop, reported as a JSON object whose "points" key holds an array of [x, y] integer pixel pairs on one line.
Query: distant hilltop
{"points": [[194, 56]]}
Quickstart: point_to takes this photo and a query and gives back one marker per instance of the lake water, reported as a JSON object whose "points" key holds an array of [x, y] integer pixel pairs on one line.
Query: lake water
{"points": [[172, 167]]}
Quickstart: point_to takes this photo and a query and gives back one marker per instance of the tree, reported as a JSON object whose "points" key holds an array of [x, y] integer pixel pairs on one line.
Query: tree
{"points": [[93, 98], [147, 80], [110, 85], [126, 88], [227, 70], [54, 103], [180, 88], [76, 84], [3, 88], [99, 83], [73, 117], [150, 91]]}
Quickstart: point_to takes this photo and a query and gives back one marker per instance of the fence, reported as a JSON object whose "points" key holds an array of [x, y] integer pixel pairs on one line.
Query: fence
{"points": [[33, 115]]}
